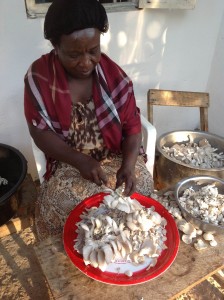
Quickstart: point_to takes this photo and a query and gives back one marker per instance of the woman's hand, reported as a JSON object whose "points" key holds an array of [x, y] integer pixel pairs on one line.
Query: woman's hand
{"points": [[126, 176], [90, 169]]}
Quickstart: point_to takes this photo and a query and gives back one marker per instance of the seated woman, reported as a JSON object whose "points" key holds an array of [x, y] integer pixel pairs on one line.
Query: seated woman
{"points": [[81, 112]]}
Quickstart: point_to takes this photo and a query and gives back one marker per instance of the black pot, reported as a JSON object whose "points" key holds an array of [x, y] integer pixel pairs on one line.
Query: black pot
{"points": [[13, 167]]}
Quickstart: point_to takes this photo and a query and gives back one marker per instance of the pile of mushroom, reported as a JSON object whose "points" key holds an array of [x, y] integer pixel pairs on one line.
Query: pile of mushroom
{"points": [[120, 228], [190, 235], [200, 154], [205, 204]]}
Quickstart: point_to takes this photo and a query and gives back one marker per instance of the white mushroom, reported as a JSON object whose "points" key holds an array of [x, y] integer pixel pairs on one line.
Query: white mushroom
{"points": [[114, 247], [86, 253], [98, 223], [129, 273], [108, 253], [208, 236], [132, 226], [101, 260], [188, 228], [186, 238], [93, 258], [200, 245], [148, 247], [199, 232], [147, 224], [124, 207], [213, 243], [109, 220], [84, 226], [156, 218], [180, 223]]}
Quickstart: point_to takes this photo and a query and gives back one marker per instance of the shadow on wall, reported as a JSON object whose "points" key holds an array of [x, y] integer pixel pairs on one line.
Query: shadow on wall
{"points": [[154, 55]]}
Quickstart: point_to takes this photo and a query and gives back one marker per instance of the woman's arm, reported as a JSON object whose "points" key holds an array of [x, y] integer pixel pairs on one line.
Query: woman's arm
{"points": [[56, 148], [126, 174]]}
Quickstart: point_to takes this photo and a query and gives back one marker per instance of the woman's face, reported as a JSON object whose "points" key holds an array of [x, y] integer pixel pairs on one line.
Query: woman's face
{"points": [[79, 52]]}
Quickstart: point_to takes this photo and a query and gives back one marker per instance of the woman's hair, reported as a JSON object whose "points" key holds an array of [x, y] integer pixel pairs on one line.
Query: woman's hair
{"points": [[66, 16]]}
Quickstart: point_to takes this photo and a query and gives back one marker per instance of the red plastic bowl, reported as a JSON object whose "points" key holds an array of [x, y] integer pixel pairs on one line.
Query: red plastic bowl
{"points": [[164, 261]]}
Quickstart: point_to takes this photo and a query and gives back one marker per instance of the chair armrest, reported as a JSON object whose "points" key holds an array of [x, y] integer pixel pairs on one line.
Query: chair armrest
{"points": [[40, 161], [149, 142]]}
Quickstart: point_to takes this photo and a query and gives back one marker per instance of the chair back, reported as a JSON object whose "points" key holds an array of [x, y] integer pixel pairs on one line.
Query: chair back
{"points": [[179, 98]]}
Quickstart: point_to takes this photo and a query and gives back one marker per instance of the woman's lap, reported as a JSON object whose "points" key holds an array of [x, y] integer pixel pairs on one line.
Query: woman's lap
{"points": [[66, 188]]}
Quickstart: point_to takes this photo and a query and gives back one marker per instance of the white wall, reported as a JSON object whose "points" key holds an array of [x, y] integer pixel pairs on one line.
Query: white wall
{"points": [[216, 86], [167, 49]]}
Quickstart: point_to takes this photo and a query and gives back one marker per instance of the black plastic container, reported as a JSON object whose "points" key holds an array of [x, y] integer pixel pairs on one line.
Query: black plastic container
{"points": [[13, 167]]}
